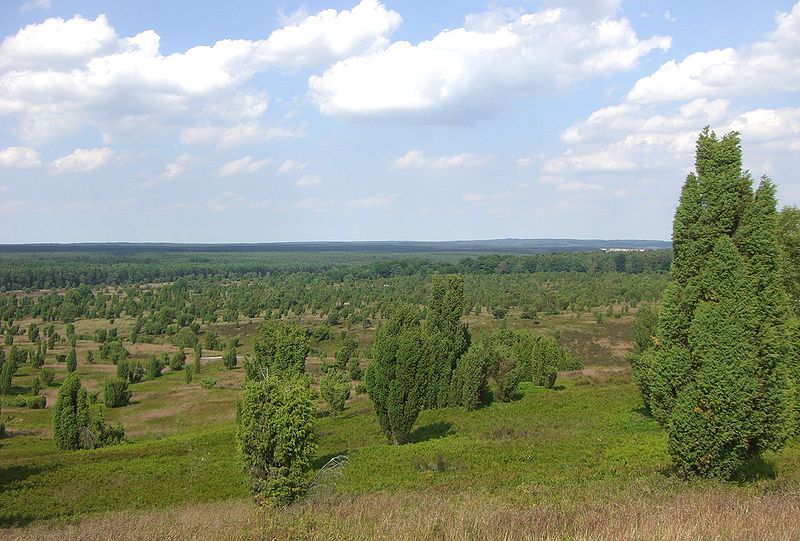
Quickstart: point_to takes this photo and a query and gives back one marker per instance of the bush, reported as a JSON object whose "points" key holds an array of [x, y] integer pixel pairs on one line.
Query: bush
{"points": [[229, 356], [208, 383], [274, 430], [47, 375], [335, 389], [354, 369], [6, 375], [116, 393], [71, 414], [154, 367], [178, 361], [113, 351], [72, 361]]}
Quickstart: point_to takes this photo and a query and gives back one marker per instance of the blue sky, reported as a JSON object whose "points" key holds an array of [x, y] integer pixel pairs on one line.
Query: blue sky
{"points": [[283, 121]]}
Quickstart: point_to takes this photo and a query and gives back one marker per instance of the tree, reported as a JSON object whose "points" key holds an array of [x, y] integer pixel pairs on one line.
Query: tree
{"points": [[154, 367], [335, 389], [396, 379], [280, 350], [716, 376], [448, 338], [198, 355], [470, 383], [70, 414], [343, 354], [229, 356], [6, 375], [789, 238], [116, 393], [178, 361], [72, 360], [274, 431]]}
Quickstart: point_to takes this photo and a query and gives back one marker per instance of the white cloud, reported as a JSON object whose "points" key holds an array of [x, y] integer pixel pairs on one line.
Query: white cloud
{"points": [[309, 181], [417, 159], [242, 165], [578, 186], [470, 72], [772, 65], [529, 161], [82, 160], [374, 201], [20, 157], [60, 76], [289, 166], [36, 4]]}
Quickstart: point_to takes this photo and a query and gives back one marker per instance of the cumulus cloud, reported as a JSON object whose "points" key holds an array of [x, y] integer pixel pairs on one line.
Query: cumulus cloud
{"points": [[242, 165], [470, 72], [60, 76], [82, 160], [417, 159], [771, 65], [309, 181], [20, 158]]}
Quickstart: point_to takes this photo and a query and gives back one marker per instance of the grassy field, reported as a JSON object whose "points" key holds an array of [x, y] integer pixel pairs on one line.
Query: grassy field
{"points": [[580, 461]]}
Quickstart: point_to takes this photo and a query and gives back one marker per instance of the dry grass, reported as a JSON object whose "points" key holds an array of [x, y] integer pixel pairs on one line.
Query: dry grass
{"points": [[410, 516]]}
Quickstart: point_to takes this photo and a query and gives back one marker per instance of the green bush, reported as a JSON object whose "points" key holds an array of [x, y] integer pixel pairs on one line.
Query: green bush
{"points": [[335, 389], [116, 393], [71, 414], [154, 367], [47, 375], [274, 431], [208, 383], [229, 356], [178, 361]]}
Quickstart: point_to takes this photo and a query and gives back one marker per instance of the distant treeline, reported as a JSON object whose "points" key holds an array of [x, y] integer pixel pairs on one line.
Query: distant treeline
{"points": [[63, 270]]}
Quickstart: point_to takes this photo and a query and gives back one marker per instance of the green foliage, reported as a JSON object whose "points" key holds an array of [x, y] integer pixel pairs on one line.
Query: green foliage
{"points": [[113, 351], [6, 374], [154, 367], [70, 414], [130, 371], [36, 386], [354, 368], [198, 355], [72, 360], [48, 375], [280, 350], [335, 389], [229, 356], [396, 379], [447, 338], [344, 353], [470, 383], [178, 361], [34, 402], [116, 393], [208, 383], [274, 430], [188, 375], [716, 375], [788, 230]]}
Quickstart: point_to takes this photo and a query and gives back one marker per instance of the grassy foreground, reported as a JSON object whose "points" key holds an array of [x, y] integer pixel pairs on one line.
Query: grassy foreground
{"points": [[579, 462]]}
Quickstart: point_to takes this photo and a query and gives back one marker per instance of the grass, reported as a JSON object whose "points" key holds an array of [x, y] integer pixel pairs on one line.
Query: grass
{"points": [[580, 462]]}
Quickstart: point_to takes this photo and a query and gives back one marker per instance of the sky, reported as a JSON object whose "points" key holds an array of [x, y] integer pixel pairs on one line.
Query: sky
{"points": [[257, 121]]}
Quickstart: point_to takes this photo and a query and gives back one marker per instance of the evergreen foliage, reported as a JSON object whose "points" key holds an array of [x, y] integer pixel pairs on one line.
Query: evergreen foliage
{"points": [[229, 356], [397, 378], [178, 361], [274, 430], [280, 350], [116, 393], [335, 389], [72, 360], [70, 414], [716, 376]]}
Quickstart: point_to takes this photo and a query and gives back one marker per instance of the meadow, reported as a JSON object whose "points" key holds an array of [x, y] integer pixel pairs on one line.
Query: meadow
{"points": [[580, 461]]}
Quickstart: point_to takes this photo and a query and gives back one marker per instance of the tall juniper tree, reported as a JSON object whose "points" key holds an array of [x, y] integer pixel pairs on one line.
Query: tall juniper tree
{"points": [[716, 377]]}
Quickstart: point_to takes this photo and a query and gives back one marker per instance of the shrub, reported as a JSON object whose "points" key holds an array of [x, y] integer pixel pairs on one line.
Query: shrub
{"points": [[343, 354], [47, 375], [113, 351], [36, 386], [279, 350], [6, 375], [274, 430], [188, 375], [72, 361], [354, 368], [397, 377], [208, 383], [70, 414], [116, 393], [154, 367], [178, 361], [335, 389], [229, 356]]}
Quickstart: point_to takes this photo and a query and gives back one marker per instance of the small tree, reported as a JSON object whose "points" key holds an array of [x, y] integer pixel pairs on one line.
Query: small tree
{"points": [[70, 414], [72, 361], [229, 356], [198, 355], [47, 375], [116, 393], [6, 374], [279, 349], [343, 354], [178, 361], [154, 367], [274, 430], [396, 378], [335, 389]]}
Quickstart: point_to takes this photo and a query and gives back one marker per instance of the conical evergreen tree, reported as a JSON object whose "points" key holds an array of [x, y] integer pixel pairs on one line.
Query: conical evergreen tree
{"points": [[717, 378]]}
